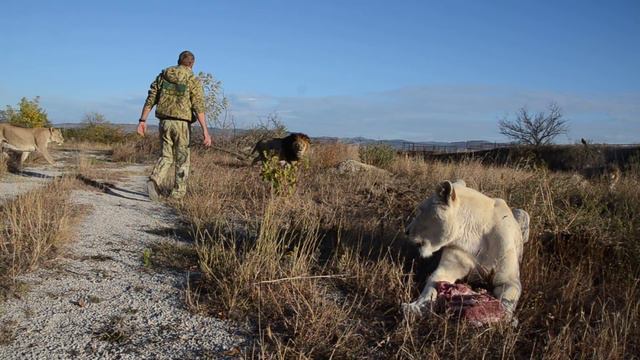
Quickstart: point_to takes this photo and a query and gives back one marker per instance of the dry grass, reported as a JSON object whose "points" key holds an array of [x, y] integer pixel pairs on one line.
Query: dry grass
{"points": [[83, 145], [142, 150], [322, 273], [34, 226], [172, 255], [3, 165], [88, 166], [330, 155]]}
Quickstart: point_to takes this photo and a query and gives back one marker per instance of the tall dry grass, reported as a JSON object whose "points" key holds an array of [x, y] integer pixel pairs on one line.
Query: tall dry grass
{"points": [[140, 150], [322, 273], [85, 145], [3, 164], [326, 155], [33, 227]]}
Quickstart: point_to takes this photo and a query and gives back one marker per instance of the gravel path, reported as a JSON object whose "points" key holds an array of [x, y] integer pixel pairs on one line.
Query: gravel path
{"points": [[100, 302], [31, 178]]}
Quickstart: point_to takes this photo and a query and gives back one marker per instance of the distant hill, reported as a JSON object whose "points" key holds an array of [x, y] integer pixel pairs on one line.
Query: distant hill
{"points": [[417, 145], [399, 144]]}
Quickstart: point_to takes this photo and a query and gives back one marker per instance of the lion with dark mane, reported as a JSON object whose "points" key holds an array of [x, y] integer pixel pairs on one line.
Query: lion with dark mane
{"points": [[289, 149]]}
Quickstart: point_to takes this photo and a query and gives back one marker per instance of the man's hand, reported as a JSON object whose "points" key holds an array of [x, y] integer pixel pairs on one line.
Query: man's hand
{"points": [[142, 128], [207, 140], [205, 131]]}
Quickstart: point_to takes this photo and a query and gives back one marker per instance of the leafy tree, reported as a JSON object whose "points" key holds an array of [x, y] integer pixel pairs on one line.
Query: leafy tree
{"points": [[28, 114], [216, 106], [538, 129], [215, 102]]}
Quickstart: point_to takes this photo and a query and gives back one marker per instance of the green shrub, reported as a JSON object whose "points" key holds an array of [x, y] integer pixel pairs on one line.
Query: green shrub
{"points": [[379, 155], [29, 114], [100, 133], [283, 178], [96, 128]]}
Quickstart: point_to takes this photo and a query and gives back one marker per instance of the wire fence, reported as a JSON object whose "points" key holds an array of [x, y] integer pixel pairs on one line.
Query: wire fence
{"points": [[443, 149], [471, 146]]}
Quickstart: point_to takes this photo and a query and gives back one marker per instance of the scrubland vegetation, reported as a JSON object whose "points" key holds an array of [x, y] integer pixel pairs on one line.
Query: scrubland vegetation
{"points": [[321, 272]]}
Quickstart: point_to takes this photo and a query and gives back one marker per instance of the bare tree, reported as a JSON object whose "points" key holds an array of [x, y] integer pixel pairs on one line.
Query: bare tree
{"points": [[538, 129], [94, 118], [268, 126]]}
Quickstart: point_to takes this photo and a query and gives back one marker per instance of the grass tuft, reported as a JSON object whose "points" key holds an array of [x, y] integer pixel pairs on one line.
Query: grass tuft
{"points": [[141, 150], [4, 167], [34, 226]]}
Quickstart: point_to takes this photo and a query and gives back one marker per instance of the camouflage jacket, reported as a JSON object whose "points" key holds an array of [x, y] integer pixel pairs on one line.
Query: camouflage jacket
{"points": [[178, 94]]}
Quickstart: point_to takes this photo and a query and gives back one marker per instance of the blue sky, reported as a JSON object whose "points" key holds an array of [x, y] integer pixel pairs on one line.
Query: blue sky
{"points": [[418, 70]]}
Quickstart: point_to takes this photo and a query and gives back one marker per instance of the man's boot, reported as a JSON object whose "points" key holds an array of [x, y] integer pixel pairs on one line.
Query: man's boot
{"points": [[152, 190]]}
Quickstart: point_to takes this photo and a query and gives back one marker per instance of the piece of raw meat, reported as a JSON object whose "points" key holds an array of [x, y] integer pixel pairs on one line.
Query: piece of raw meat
{"points": [[476, 307]]}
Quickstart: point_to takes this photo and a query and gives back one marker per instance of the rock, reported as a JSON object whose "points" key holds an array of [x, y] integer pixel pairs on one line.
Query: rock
{"points": [[353, 166]]}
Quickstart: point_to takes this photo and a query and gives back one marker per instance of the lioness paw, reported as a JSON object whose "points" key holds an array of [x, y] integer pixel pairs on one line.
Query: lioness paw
{"points": [[509, 317], [415, 309], [508, 305]]}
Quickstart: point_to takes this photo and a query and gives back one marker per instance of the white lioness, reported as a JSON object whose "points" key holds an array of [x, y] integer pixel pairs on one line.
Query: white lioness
{"points": [[26, 141], [478, 235]]}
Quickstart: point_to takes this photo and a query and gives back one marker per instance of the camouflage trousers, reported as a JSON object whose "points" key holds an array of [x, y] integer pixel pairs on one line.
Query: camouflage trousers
{"points": [[174, 135]]}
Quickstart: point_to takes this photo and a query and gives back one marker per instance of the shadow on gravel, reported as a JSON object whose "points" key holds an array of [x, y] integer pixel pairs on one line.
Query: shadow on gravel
{"points": [[109, 188], [32, 174], [129, 191], [179, 233], [112, 191], [99, 257]]}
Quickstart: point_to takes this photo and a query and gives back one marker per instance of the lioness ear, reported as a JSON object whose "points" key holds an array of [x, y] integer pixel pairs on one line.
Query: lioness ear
{"points": [[446, 193], [460, 182]]}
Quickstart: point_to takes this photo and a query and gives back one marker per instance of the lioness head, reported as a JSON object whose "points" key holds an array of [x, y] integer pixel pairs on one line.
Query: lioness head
{"points": [[56, 136], [435, 223]]}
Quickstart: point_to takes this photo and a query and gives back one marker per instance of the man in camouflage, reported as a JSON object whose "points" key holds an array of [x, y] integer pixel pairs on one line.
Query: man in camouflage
{"points": [[179, 99]]}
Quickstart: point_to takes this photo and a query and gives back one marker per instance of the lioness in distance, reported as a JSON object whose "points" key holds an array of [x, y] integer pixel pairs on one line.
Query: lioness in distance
{"points": [[26, 141], [478, 235], [290, 148]]}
